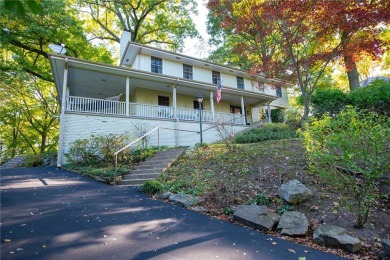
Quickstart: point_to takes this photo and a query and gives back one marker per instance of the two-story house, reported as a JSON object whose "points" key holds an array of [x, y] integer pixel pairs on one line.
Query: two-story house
{"points": [[155, 88]]}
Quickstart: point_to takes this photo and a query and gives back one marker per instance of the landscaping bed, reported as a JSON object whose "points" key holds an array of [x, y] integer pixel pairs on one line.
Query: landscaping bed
{"points": [[253, 173]]}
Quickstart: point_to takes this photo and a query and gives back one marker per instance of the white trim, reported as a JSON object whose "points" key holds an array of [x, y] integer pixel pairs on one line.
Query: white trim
{"points": [[127, 96], [212, 104], [243, 112], [62, 115]]}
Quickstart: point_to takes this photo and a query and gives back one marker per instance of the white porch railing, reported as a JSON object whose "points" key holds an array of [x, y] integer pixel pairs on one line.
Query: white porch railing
{"points": [[102, 106], [93, 105]]}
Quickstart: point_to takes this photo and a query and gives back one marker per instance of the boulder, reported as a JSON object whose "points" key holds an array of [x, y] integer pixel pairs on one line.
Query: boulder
{"points": [[294, 192], [386, 245], [335, 237], [259, 217], [165, 195], [185, 200], [293, 223]]}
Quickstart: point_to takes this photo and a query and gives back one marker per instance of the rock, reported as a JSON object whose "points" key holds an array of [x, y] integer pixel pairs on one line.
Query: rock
{"points": [[294, 192], [259, 217], [200, 209], [335, 237], [386, 245], [165, 195], [293, 223], [185, 200]]}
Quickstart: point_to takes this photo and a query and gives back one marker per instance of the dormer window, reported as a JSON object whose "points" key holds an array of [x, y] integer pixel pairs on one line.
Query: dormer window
{"points": [[156, 65], [187, 71], [216, 77]]}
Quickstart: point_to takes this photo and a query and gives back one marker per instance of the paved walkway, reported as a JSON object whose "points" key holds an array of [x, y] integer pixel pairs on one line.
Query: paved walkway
{"points": [[55, 214]]}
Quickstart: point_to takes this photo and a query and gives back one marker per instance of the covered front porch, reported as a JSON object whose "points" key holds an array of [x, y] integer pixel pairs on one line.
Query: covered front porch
{"points": [[87, 87], [129, 109]]}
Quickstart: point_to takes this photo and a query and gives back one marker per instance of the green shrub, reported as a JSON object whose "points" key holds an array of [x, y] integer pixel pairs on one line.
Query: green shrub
{"points": [[267, 132], [293, 118], [285, 208], [228, 211], [98, 150], [42, 159], [92, 170], [152, 187], [277, 115], [351, 151], [375, 98], [140, 154], [260, 199], [328, 101], [33, 160]]}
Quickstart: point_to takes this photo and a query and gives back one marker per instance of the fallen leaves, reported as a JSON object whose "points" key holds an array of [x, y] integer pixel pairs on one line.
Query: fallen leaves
{"points": [[291, 251]]}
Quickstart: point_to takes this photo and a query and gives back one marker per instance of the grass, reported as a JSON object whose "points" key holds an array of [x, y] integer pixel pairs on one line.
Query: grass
{"points": [[227, 178]]}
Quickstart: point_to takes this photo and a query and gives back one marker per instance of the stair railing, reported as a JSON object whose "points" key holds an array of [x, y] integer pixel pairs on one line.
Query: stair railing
{"points": [[130, 144]]}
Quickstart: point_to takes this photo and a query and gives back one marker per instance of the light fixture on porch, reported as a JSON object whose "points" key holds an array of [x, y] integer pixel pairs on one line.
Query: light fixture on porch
{"points": [[200, 101]]}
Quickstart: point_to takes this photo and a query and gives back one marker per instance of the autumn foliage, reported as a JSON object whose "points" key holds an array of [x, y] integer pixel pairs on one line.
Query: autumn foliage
{"points": [[296, 40]]}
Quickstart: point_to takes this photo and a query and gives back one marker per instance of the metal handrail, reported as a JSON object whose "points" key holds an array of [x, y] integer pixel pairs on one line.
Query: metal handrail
{"points": [[142, 137], [130, 144]]}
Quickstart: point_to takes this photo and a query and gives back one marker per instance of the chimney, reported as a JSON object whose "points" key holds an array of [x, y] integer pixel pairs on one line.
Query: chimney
{"points": [[125, 38]]}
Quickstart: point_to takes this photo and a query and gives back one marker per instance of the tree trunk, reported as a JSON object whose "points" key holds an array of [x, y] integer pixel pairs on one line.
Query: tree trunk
{"points": [[350, 65], [306, 111], [43, 142], [353, 78]]}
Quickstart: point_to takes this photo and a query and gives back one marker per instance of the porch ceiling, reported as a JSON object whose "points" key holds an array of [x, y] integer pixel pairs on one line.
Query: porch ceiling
{"points": [[97, 80]]}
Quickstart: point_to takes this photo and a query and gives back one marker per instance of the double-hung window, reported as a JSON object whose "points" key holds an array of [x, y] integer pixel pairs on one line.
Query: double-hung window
{"points": [[187, 71], [216, 76], [278, 91], [240, 83], [156, 65], [163, 101]]}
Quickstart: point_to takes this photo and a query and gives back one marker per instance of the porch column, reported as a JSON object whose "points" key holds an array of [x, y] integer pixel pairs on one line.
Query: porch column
{"points": [[127, 96], [243, 112], [212, 104], [174, 101], [269, 113], [62, 115]]}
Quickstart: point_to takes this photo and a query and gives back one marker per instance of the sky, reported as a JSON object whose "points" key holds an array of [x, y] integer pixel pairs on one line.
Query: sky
{"points": [[194, 47]]}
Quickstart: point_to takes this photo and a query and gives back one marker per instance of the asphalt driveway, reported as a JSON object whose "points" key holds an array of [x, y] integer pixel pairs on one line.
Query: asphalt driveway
{"points": [[55, 214]]}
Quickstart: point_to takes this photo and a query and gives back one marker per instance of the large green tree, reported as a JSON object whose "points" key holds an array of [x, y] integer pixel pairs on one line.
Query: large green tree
{"points": [[27, 92], [28, 108], [164, 23]]}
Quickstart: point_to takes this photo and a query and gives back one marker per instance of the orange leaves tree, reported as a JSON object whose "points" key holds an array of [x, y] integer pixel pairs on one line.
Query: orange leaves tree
{"points": [[296, 40]]}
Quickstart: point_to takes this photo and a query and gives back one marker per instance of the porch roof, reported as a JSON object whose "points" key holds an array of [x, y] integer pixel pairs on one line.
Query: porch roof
{"points": [[98, 80]]}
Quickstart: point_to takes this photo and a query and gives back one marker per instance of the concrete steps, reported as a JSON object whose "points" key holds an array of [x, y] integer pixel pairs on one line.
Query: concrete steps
{"points": [[14, 162], [151, 168]]}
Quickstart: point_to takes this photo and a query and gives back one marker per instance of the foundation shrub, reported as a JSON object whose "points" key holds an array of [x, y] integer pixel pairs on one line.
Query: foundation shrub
{"points": [[273, 131]]}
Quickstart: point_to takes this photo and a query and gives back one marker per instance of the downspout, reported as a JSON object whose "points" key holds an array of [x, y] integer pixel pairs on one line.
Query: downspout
{"points": [[62, 115]]}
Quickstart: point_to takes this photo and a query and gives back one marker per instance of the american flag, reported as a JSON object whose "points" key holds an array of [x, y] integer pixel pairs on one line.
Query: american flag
{"points": [[219, 90]]}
